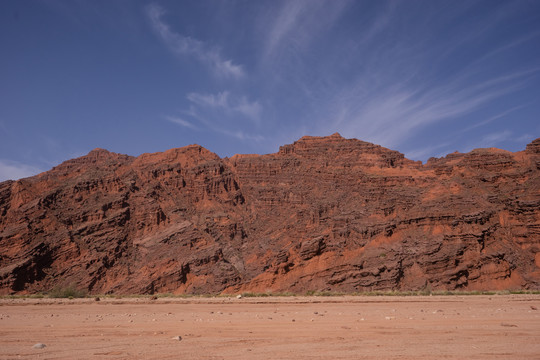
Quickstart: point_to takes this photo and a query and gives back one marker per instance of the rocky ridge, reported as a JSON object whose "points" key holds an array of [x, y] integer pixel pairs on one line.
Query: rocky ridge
{"points": [[324, 213]]}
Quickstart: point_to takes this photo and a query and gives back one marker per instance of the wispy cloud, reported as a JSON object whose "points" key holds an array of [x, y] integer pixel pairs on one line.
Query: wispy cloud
{"points": [[12, 170], [184, 45], [225, 102], [391, 115], [284, 23], [442, 148], [299, 21], [222, 113], [509, 45], [385, 72], [241, 135], [495, 117], [492, 139], [210, 100], [399, 85], [502, 139], [181, 122]]}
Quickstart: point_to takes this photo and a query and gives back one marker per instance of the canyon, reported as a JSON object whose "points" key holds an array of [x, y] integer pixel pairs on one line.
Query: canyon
{"points": [[321, 214]]}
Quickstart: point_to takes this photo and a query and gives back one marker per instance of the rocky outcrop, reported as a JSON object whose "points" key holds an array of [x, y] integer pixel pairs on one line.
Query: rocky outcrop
{"points": [[324, 213]]}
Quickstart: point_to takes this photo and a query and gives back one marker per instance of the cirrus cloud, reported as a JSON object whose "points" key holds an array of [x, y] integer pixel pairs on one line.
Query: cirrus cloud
{"points": [[185, 45]]}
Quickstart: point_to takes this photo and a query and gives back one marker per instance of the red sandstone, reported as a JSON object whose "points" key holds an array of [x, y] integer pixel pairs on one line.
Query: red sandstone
{"points": [[324, 213]]}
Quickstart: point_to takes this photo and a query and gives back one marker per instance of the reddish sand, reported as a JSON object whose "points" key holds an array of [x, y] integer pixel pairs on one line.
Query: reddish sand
{"points": [[436, 327]]}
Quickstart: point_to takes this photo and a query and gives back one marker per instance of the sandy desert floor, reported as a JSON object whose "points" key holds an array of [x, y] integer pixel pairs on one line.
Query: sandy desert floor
{"points": [[430, 327]]}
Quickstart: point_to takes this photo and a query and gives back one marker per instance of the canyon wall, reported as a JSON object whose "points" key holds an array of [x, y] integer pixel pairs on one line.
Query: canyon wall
{"points": [[322, 214]]}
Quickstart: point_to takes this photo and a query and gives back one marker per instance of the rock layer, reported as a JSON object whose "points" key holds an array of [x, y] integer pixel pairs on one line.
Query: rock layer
{"points": [[322, 214]]}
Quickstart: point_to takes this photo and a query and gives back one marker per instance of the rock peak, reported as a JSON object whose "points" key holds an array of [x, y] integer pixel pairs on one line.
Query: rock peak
{"points": [[534, 147], [99, 152], [335, 136]]}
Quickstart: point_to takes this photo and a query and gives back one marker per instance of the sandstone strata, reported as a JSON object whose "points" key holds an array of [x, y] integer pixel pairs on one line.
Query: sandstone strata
{"points": [[324, 213]]}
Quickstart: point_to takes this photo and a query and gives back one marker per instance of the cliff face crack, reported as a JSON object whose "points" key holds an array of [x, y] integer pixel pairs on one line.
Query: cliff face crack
{"points": [[324, 213]]}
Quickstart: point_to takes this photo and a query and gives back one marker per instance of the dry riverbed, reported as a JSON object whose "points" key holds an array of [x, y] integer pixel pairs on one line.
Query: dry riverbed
{"points": [[345, 327]]}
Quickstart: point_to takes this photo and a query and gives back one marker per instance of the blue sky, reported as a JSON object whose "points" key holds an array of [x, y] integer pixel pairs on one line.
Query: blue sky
{"points": [[423, 77]]}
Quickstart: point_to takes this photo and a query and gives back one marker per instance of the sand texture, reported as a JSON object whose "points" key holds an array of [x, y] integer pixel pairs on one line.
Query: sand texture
{"points": [[430, 327]]}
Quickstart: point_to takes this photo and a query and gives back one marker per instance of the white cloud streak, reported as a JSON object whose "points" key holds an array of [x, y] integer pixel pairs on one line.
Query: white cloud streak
{"points": [[493, 118], [224, 113], [220, 113], [299, 21], [395, 91], [184, 45], [508, 46], [495, 138], [284, 24], [181, 122], [390, 116], [224, 101], [387, 75], [240, 135]]}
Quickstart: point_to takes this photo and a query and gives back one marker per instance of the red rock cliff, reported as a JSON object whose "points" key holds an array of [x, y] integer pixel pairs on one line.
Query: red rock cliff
{"points": [[324, 213]]}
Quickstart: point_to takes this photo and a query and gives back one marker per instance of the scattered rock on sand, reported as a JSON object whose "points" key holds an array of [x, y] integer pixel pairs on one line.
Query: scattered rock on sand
{"points": [[239, 296], [39, 346], [178, 338], [533, 307]]}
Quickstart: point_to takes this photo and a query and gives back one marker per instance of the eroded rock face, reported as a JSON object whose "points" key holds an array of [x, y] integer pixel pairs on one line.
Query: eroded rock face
{"points": [[324, 213]]}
